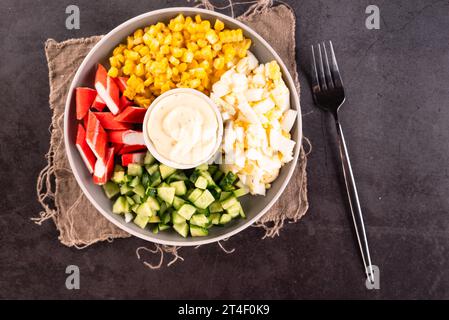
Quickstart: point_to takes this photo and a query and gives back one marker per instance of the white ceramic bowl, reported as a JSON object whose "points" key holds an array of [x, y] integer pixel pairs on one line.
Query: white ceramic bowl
{"points": [[254, 206], [154, 107]]}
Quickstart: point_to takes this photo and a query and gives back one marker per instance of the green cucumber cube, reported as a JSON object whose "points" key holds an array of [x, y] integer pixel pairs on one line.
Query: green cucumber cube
{"points": [[141, 221], [215, 207], [224, 195], [149, 159], [155, 179], [194, 195], [202, 167], [130, 200], [152, 168], [120, 205], [181, 228], [167, 194], [225, 218], [215, 218], [154, 219], [180, 187], [126, 190], [135, 207], [176, 218], [145, 179], [201, 183], [186, 211], [135, 169], [144, 210], [111, 189], [163, 226], [154, 204], [137, 198], [166, 171], [240, 192], [234, 210], [229, 202], [155, 229], [199, 220], [139, 190], [178, 202], [197, 231], [204, 200]]}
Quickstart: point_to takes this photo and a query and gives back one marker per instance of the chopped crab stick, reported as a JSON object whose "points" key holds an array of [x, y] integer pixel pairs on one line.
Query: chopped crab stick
{"points": [[96, 136], [124, 102], [132, 115], [130, 149], [136, 157], [129, 137], [98, 103], [84, 150], [107, 89], [84, 99], [104, 168], [108, 122]]}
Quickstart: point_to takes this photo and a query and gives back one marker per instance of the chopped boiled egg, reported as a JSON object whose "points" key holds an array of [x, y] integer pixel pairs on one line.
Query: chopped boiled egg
{"points": [[255, 104]]}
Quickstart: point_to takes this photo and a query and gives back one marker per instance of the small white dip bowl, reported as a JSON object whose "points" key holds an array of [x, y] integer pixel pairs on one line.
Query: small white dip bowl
{"points": [[154, 108]]}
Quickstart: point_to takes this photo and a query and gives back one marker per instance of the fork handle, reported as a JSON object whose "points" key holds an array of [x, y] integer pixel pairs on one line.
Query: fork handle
{"points": [[354, 203]]}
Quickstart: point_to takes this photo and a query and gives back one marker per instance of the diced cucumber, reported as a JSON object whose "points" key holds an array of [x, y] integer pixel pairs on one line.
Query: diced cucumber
{"points": [[155, 229], [178, 202], [163, 226], [215, 218], [154, 219], [165, 217], [126, 190], [111, 189], [242, 213], [194, 195], [152, 192], [195, 174], [137, 198], [197, 231], [167, 194], [186, 211], [163, 207], [203, 166], [225, 218], [130, 200], [212, 169], [181, 228], [229, 202], [120, 205], [135, 169], [234, 210], [240, 192], [204, 200], [224, 195], [199, 220], [152, 168], [149, 159], [176, 218], [154, 204], [216, 191], [177, 176], [128, 217], [227, 183], [203, 211], [141, 221], [146, 179], [118, 176], [208, 177], [135, 207], [164, 185], [155, 179], [139, 190], [217, 176], [166, 171], [180, 187], [145, 210], [134, 182], [201, 182], [215, 207]]}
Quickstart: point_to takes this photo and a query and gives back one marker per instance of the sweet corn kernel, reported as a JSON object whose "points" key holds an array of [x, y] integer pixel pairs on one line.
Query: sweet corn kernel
{"points": [[173, 60], [113, 72], [219, 25]]}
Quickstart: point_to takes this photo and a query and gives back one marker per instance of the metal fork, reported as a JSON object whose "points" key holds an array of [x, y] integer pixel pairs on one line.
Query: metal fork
{"points": [[329, 95]]}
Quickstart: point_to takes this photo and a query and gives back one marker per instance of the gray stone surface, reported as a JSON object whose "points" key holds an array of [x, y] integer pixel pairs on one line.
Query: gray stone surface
{"points": [[395, 121]]}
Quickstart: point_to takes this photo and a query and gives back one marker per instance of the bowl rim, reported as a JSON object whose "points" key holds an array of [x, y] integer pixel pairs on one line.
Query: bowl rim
{"points": [[150, 145], [294, 95]]}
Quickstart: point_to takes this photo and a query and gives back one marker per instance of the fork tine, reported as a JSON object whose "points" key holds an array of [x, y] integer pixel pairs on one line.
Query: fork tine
{"points": [[334, 69], [321, 70], [315, 82], [330, 83]]}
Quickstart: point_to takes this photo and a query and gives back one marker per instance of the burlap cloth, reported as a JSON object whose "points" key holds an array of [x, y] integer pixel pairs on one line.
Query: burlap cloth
{"points": [[78, 222]]}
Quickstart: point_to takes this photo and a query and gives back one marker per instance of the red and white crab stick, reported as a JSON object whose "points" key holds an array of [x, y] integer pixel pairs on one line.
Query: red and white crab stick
{"points": [[84, 150]]}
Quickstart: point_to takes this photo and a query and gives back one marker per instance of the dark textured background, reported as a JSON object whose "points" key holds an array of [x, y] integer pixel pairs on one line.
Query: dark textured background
{"points": [[395, 121]]}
